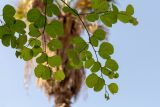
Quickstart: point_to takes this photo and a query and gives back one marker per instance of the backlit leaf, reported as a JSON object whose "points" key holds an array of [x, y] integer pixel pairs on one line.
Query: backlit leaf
{"points": [[59, 75], [113, 88], [105, 50], [43, 72], [99, 85], [91, 80], [54, 61], [130, 10], [43, 58], [96, 67], [112, 64]]}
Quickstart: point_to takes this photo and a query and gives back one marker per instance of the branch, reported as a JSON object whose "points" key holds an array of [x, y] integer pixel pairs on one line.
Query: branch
{"points": [[89, 38], [43, 32]]}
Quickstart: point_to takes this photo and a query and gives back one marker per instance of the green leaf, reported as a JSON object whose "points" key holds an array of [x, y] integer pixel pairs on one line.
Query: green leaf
{"points": [[94, 41], [40, 22], [124, 17], [54, 44], [74, 59], [59, 75], [21, 41], [88, 54], [134, 21], [34, 42], [91, 80], [13, 42], [109, 18], [115, 9], [111, 75], [6, 40], [105, 71], [8, 13], [106, 96], [17, 54], [116, 75], [92, 17], [83, 55], [80, 44], [43, 58], [89, 63], [96, 67], [100, 5], [52, 9], [105, 50], [26, 54], [19, 26], [43, 72], [113, 88], [47, 2], [33, 31], [55, 28], [106, 20], [99, 85], [54, 61], [130, 10], [4, 30], [36, 50], [33, 14], [112, 65], [99, 34], [69, 10]]}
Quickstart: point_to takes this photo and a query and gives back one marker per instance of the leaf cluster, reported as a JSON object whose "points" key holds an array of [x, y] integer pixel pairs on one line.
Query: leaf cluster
{"points": [[27, 45]]}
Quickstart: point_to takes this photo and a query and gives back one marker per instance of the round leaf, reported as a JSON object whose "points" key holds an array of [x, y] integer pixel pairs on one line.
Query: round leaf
{"points": [[91, 80], [113, 88], [96, 67], [130, 10], [43, 72], [112, 65], [33, 15], [59, 75], [99, 85], [43, 58], [105, 50], [54, 61]]}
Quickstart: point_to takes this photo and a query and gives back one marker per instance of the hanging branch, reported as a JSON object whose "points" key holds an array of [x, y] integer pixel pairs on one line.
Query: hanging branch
{"points": [[89, 39]]}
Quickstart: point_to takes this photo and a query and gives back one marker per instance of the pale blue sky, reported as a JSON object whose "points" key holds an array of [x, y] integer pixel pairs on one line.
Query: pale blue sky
{"points": [[136, 50]]}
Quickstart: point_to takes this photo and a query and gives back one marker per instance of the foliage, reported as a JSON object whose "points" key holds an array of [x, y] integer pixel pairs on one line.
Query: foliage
{"points": [[14, 33]]}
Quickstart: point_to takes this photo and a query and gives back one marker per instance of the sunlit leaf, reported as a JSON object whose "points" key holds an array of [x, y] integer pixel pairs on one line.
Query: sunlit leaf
{"points": [[113, 88], [99, 85], [59, 75], [43, 72], [96, 67], [105, 50], [112, 64], [43, 58], [54, 61], [91, 80]]}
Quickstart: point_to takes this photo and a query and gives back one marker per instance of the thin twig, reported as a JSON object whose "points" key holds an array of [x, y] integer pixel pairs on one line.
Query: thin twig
{"points": [[43, 32]]}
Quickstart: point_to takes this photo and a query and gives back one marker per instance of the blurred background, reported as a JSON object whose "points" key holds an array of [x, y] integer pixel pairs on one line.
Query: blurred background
{"points": [[136, 50]]}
